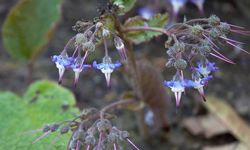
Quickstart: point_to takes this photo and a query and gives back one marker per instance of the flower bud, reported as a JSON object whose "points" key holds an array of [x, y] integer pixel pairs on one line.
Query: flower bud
{"points": [[224, 28], [64, 129], [104, 125], [46, 128], [179, 47], [80, 39], [180, 64], [214, 20], [54, 127], [89, 46], [205, 50], [124, 135], [215, 33], [99, 25], [197, 30], [90, 140]]}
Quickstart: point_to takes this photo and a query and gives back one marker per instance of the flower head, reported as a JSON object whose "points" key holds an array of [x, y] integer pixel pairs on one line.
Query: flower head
{"points": [[206, 69], [106, 67]]}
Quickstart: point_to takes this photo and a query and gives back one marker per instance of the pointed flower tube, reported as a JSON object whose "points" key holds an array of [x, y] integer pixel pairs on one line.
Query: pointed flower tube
{"points": [[77, 67], [178, 87], [106, 67], [206, 69], [62, 62], [200, 83]]}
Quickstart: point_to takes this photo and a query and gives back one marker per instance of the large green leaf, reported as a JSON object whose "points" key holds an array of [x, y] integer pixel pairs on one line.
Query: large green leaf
{"points": [[44, 102], [158, 20], [124, 5], [29, 27]]}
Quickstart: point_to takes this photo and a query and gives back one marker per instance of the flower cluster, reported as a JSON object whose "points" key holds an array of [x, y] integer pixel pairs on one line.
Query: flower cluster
{"points": [[191, 47], [84, 44], [88, 132]]}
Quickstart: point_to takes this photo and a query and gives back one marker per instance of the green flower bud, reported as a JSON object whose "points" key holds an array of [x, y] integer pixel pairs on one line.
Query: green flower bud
{"points": [[103, 125], [89, 46], [180, 64], [179, 47], [80, 39], [90, 140], [64, 129], [213, 20], [225, 28], [215, 33], [197, 30]]}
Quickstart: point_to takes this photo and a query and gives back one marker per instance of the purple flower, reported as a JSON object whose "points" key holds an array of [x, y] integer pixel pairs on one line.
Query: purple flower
{"points": [[146, 12], [106, 67], [206, 69]]}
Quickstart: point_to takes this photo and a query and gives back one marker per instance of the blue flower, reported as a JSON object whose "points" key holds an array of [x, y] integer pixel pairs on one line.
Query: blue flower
{"points": [[177, 87], [146, 12], [206, 69], [199, 84], [106, 67], [77, 67], [62, 62]]}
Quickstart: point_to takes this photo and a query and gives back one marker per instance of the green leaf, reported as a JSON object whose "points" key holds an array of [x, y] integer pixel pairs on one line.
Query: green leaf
{"points": [[45, 102], [124, 5], [29, 26], [137, 37]]}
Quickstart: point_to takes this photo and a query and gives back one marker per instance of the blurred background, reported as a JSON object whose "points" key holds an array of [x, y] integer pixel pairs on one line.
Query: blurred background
{"points": [[231, 83]]}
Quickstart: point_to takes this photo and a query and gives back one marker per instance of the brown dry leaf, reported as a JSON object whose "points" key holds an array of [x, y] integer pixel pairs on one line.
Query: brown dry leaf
{"points": [[227, 115], [233, 146], [207, 126]]}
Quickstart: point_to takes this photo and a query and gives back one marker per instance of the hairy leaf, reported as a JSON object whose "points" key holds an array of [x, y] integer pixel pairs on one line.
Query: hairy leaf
{"points": [[29, 26], [159, 20], [45, 102], [124, 5]]}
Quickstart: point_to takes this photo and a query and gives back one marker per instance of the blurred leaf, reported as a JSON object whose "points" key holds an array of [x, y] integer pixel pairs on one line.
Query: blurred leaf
{"points": [[43, 103], [159, 20], [229, 117], [124, 5], [29, 27]]}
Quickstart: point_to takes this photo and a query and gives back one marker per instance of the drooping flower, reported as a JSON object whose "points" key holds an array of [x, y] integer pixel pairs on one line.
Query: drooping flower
{"points": [[177, 87], [106, 67], [77, 67], [62, 62], [206, 69], [199, 84]]}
